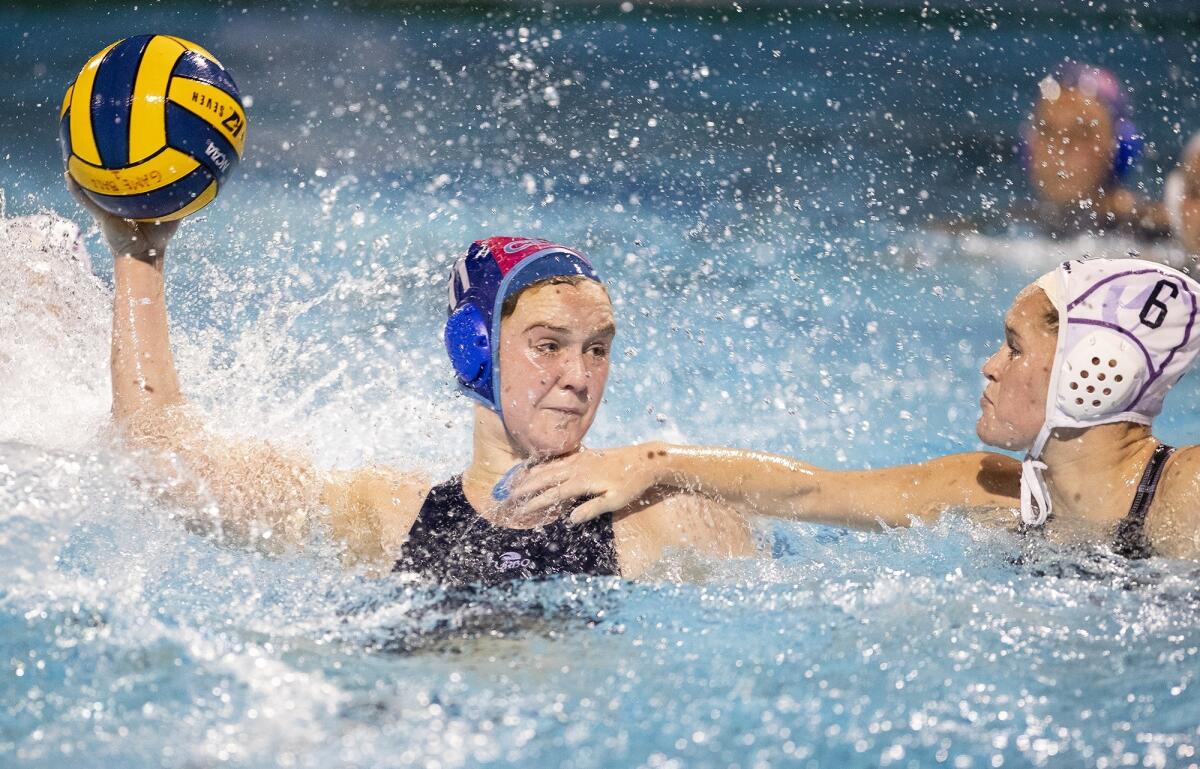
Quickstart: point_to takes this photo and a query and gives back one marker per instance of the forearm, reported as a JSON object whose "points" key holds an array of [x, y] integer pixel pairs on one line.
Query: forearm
{"points": [[754, 481], [262, 495], [143, 371], [771, 485]]}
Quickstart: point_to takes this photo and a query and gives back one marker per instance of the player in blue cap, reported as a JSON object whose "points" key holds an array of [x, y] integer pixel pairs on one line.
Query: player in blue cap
{"points": [[1080, 146], [529, 331], [528, 334]]}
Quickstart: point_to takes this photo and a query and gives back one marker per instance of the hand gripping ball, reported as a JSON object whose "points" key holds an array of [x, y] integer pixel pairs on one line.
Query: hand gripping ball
{"points": [[151, 128]]}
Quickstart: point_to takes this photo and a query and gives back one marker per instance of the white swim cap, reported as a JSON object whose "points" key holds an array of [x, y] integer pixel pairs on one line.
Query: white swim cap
{"points": [[1127, 332]]}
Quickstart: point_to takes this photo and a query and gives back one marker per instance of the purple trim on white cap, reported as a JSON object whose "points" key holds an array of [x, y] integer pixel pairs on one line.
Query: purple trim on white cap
{"points": [[1154, 372], [1106, 279]]}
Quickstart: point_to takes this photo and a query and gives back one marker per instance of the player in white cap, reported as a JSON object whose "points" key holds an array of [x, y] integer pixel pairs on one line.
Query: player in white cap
{"points": [[1090, 351]]}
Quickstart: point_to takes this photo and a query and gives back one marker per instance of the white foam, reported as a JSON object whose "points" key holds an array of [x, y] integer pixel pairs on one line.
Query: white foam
{"points": [[54, 328], [55, 323]]}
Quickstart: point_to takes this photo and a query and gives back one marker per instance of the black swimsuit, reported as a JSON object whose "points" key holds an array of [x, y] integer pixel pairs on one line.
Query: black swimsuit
{"points": [[1131, 540], [452, 544]]}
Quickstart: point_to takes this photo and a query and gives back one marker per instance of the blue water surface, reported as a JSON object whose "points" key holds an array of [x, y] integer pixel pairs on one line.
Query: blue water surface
{"points": [[767, 191]]}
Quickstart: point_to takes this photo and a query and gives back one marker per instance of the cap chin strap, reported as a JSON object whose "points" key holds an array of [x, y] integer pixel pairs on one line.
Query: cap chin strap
{"points": [[1035, 494]]}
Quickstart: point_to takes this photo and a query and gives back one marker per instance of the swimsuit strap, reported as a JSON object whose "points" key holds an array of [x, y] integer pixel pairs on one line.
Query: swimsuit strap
{"points": [[1130, 540]]}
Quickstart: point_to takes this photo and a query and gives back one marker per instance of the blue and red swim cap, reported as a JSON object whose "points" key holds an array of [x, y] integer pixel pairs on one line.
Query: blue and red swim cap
{"points": [[492, 270]]}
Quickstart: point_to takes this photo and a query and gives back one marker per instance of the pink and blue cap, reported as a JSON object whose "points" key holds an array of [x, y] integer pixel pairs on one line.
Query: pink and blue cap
{"points": [[1127, 332], [490, 272]]}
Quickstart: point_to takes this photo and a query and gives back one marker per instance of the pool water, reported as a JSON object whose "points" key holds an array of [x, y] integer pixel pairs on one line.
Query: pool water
{"points": [[764, 190]]}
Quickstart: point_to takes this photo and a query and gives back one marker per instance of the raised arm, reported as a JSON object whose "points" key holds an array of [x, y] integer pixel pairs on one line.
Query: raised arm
{"points": [[264, 496], [771, 485]]}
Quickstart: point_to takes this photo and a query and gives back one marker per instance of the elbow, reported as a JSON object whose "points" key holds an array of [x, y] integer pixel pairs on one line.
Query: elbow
{"points": [[156, 428]]}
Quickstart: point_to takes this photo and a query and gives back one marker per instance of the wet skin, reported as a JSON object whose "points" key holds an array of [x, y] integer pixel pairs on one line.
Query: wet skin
{"points": [[1013, 406], [554, 355]]}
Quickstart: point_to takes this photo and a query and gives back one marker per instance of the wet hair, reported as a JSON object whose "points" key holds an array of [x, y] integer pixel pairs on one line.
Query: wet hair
{"points": [[510, 303], [1050, 319]]}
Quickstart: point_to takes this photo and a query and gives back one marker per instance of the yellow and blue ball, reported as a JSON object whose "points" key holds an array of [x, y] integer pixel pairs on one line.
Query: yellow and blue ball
{"points": [[152, 127]]}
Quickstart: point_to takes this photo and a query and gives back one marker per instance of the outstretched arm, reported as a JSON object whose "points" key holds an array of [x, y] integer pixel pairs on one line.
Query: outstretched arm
{"points": [[264, 495], [771, 485]]}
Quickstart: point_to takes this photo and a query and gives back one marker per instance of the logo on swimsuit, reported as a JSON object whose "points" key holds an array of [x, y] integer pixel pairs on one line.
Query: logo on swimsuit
{"points": [[510, 561]]}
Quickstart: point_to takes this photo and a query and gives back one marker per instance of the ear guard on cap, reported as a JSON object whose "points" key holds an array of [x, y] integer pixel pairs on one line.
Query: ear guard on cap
{"points": [[1129, 148], [1101, 373], [468, 344]]}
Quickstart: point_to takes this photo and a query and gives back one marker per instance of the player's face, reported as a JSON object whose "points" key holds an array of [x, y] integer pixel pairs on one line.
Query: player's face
{"points": [[1013, 406], [1072, 145], [554, 357]]}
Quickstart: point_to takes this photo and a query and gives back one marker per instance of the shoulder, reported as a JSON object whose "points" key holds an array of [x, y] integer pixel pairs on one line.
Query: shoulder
{"points": [[372, 509], [970, 471], [688, 520], [1181, 477], [396, 496], [1174, 521], [644, 532], [998, 482], [984, 486], [997, 473], [970, 480]]}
